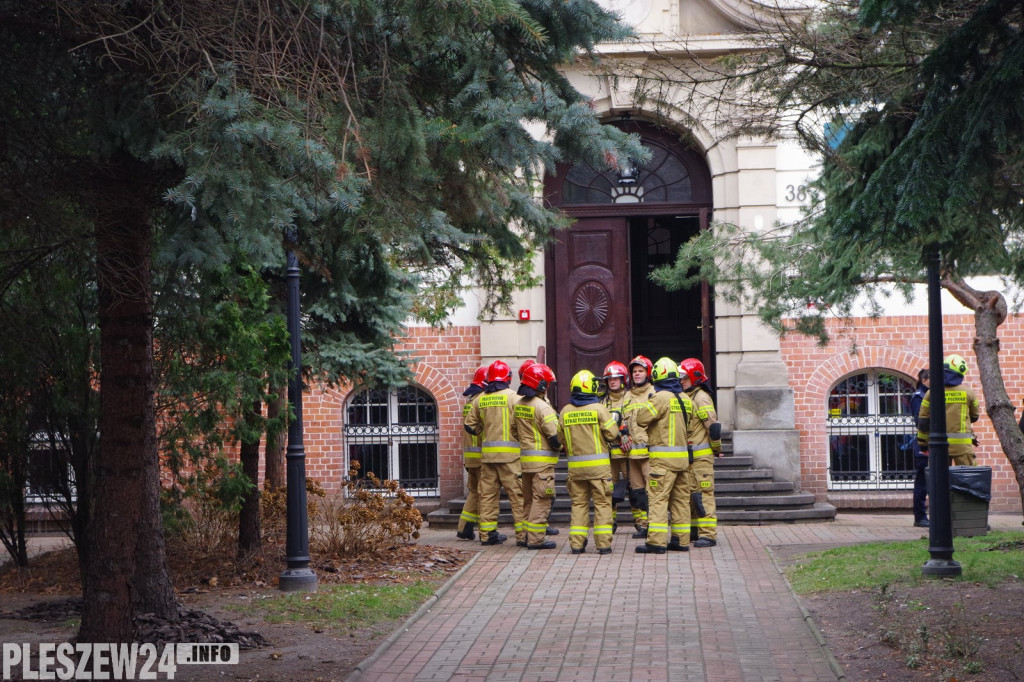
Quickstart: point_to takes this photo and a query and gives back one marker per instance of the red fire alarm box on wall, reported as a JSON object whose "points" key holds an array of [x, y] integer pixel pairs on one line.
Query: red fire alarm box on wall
{"points": [[524, 315]]}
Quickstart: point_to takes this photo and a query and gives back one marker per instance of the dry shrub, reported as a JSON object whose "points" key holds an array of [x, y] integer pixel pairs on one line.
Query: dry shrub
{"points": [[367, 515]]}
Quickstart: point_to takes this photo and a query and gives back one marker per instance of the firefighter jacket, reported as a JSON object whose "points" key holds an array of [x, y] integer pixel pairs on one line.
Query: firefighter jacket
{"points": [[704, 407], [669, 428], [636, 397], [470, 443], [537, 423], [586, 430], [614, 402], [492, 418], [962, 410]]}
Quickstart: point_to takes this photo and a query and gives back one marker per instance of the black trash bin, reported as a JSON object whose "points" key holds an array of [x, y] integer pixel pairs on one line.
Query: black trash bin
{"points": [[970, 490]]}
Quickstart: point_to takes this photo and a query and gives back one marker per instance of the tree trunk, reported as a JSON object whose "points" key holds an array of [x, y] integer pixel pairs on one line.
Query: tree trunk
{"points": [[987, 317], [127, 567], [249, 534], [274, 468], [989, 312]]}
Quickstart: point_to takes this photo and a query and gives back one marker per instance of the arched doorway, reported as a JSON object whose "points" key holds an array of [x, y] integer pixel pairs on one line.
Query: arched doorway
{"points": [[601, 305]]}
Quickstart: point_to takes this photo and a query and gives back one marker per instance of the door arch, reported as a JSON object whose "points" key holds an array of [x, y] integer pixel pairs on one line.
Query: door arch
{"points": [[601, 304]]}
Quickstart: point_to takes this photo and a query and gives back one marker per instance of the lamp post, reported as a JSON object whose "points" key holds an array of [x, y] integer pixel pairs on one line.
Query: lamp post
{"points": [[298, 576], [940, 531]]}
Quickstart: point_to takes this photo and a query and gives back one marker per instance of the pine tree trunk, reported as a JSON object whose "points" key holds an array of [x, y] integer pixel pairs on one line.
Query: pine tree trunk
{"points": [[274, 461], [249, 534], [127, 566], [988, 315]]}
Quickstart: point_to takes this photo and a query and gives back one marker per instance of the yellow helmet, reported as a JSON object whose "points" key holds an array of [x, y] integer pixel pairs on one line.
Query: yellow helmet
{"points": [[584, 382], [956, 363], [665, 368]]}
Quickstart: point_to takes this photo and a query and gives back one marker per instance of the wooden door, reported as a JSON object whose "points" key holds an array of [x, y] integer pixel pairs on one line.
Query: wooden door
{"points": [[587, 299]]}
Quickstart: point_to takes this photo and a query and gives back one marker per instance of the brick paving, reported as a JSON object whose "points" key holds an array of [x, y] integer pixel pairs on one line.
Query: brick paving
{"points": [[724, 613]]}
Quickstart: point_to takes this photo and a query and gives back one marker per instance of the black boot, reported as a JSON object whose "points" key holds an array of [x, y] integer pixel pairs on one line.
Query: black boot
{"points": [[640, 533], [675, 546], [549, 544], [493, 538], [705, 542], [467, 532], [649, 549], [694, 533], [551, 531], [582, 549]]}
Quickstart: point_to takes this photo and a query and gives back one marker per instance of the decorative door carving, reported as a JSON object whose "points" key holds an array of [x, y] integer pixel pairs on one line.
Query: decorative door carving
{"points": [[588, 294]]}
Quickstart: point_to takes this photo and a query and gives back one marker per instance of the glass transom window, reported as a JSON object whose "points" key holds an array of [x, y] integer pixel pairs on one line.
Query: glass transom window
{"points": [[871, 432], [393, 433]]}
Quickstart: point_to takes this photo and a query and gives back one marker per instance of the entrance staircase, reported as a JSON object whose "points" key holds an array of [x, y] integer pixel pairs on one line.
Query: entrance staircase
{"points": [[744, 496]]}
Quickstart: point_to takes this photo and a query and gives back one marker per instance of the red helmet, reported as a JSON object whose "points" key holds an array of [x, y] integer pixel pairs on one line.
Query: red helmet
{"points": [[499, 371], [527, 363], [645, 362], [480, 377], [537, 376], [694, 369], [616, 369]]}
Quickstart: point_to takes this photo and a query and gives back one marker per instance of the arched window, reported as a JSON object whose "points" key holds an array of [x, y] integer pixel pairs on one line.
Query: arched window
{"points": [[393, 433], [665, 178], [871, 432]]}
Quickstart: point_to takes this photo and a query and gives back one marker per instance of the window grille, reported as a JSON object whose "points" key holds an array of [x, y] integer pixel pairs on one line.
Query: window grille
{"points": [[394, 434], [50, 475], [665, 178], [871, 432]]}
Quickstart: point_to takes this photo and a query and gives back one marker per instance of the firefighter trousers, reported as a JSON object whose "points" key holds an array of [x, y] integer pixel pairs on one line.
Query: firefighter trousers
{"points": [[494, 477], [702, 480], [538, 494], [581, 492], [471, 509], [668, 492], [639, 470]]}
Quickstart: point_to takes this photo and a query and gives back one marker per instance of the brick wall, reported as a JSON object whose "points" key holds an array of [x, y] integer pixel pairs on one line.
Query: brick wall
{"points": [[444, 364], [897, 343]]}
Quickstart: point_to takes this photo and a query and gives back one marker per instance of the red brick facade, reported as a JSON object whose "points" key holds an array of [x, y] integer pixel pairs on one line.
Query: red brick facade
{"points": [[445, 364], [446, 361], [898, 343]]}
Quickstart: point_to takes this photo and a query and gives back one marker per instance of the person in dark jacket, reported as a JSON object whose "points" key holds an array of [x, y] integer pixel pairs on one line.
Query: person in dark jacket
{"points": [[920, 458]]}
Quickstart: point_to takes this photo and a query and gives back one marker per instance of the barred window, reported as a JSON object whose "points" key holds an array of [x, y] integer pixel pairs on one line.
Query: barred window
{"points": [[393, 433], [50, 476], [871, 432]]}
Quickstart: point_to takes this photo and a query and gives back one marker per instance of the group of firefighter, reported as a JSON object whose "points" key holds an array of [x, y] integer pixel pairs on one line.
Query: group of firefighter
{"points": [[646, 432]]}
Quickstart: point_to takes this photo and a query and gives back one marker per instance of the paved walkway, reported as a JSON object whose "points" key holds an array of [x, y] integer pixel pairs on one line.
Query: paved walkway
{"points": [[724, 613]]}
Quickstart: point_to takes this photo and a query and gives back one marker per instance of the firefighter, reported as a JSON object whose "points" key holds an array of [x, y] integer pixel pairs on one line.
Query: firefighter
{"points": [[586, 429], [962, 410], [669, 419], [492, 418], [537, 423], [471, 458], [615, 376], [527, 363], [706, 445], [634, 440]]}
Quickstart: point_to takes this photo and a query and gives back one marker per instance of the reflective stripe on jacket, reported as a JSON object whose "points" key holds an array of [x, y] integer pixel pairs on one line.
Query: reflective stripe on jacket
{"points": [[586, 431], [492, 418], [536, 422], [962, 410], [470, 444], [635, 399], [668, 430]]}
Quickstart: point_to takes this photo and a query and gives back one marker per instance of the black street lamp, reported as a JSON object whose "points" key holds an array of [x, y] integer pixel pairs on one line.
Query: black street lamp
{"points": [[298, 576], [940, 531]]}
